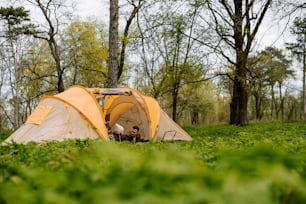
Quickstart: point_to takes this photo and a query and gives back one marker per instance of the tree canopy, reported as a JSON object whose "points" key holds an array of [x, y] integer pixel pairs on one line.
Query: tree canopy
{"points": [[197, 58]]}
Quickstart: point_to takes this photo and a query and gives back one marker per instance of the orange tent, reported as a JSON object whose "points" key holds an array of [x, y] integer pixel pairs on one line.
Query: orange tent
{"points": [[76, 114]]}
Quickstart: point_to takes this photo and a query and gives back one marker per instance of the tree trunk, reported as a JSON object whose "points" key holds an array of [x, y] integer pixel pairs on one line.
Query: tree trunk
{"points": [[282, 99], [124, 40], [257, 106], [195, 117], [239, 102], [174, 102], [113, 45], [273, 102], [304, 82], [51, 39], [56, 56]]}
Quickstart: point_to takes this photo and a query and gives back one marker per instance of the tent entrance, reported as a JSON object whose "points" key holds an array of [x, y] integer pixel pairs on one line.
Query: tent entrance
{"points": [[127, 115]]}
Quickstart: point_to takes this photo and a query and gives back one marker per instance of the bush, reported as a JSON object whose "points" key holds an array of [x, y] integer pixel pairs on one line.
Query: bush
{"points": [[260, 163], [5, 134]]}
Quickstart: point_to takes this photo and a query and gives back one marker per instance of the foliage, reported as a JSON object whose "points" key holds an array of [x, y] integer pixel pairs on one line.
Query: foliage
{"points": [[235, 28], [17, 21], [268, 71], [173, 61], [5, 134], [87, 57], [39, 74], [298, 29], [260, 163], [298, 49], [198, 104]]}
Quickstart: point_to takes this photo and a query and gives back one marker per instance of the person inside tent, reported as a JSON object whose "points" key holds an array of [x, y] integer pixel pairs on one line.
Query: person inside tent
{"points": [[133, 135]]}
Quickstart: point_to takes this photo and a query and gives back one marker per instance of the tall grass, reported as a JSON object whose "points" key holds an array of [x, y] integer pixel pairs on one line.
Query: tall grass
{"points": [[260, 163]]}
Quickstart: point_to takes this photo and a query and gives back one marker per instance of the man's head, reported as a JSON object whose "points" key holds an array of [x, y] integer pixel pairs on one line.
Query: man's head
{"points": [[135, 131]]}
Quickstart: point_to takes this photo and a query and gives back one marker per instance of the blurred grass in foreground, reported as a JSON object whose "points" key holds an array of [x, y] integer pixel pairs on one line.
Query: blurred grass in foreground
{"points": [[261, 163]]}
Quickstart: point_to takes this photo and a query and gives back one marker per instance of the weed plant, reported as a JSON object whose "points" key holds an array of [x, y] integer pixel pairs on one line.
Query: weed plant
{"points": [[263, 163]]}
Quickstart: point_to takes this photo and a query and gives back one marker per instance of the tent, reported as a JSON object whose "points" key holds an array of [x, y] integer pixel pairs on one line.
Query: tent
{"points": [[77, 114]]}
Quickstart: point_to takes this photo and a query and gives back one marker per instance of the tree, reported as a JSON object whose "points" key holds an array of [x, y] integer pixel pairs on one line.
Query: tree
{"points": [[292, 7], [113, 44], [148, 71], [170, 58], [236, 24], [298, 50], [50, 12], [125, 37], [86, 55], [17, 23], [116, 66], [268, 69], [257, 69], [201, 100], [39, 76]]}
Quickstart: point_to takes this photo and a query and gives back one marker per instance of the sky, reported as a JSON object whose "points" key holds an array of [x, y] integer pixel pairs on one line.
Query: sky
{"points": [[90, 8]]}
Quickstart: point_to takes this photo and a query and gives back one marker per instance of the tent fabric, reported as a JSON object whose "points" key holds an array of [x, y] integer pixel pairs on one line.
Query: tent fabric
{"points": [[76, 113], [63, 122], [169, 130], [87, 105], [39, 114]]}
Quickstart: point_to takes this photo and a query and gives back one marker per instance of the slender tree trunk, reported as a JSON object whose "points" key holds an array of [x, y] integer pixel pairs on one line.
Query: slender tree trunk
{"points": [[273, 102], [113, 45], [281, 105], [16, 98], [304, 81], [15, 81], [174, 102], [257, 106], [194, 117]]}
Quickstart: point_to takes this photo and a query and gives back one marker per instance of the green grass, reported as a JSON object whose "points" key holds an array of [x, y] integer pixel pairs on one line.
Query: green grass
{"points": [[261, 163]]}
